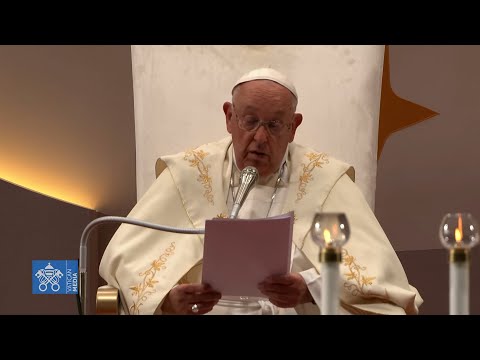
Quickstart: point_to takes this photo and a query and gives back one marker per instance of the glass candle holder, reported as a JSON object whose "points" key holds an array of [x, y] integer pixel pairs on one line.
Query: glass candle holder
{"points": [[330, 231]]}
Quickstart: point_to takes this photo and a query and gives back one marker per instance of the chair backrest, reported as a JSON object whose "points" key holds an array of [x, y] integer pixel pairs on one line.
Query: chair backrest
{"points": [[181, 101]]}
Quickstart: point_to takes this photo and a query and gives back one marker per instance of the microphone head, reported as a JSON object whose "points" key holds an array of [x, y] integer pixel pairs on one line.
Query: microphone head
{"points": [[248, 178], [249, 175]]}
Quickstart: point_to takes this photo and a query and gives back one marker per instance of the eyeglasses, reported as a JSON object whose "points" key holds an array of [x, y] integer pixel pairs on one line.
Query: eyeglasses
{"points": [[252, 123]]}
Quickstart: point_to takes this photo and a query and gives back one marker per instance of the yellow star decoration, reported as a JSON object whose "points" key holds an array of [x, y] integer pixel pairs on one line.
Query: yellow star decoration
{"points": [[396, 113]]}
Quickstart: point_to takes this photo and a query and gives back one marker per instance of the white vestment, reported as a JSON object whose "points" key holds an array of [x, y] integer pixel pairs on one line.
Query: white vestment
{"points": [[195, 185]]}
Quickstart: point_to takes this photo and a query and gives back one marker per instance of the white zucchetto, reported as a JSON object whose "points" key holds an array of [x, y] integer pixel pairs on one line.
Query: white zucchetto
{"points": [[267, 74]]}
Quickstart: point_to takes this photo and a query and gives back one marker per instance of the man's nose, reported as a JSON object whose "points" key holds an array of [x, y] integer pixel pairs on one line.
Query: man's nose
{"points": [[261, 134]]}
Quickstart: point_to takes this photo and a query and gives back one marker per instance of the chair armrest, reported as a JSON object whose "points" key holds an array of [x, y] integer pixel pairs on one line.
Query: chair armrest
{"points": [[108, 301]]}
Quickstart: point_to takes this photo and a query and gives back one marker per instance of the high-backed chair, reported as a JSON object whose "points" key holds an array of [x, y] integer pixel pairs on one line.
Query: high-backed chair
{"points": [[339, 95]]}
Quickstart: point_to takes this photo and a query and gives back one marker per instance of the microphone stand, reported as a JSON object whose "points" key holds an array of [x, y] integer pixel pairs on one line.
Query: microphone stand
{"points": [[82, 264]]}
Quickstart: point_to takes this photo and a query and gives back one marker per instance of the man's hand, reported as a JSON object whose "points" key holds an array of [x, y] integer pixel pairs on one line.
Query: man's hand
{"points": [[182, 297], [286, 291]]}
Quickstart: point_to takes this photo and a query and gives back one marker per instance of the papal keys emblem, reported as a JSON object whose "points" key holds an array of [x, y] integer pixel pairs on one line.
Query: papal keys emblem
{"points": [[49, 275]]}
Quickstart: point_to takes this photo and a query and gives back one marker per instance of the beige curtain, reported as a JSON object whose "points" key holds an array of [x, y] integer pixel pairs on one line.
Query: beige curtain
{"points": [[179, 92]]}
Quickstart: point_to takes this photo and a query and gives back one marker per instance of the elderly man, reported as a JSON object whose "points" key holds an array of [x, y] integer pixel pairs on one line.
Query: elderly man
{"points": [[158, 273]]}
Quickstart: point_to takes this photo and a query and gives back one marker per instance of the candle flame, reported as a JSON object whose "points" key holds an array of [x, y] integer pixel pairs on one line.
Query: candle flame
{"points": [[458, 230], [326, 235]]}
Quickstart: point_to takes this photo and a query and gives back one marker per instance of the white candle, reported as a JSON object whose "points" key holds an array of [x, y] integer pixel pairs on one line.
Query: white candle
{"points": [[459, 288], [330, 287]]}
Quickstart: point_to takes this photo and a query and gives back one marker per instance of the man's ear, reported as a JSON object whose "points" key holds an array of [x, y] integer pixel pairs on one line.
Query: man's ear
{"points": [[297, 120], [227, 109]]}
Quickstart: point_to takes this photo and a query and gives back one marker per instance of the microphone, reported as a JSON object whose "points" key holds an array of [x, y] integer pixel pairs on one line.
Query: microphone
{"points": [[248, 178]]}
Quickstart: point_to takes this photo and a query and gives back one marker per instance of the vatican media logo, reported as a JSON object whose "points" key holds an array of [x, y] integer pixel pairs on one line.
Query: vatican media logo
{"points": [[55, 277]]}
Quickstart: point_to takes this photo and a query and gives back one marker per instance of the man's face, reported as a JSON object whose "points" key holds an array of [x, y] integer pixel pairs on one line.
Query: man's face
{"points": [[271, 103]]}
